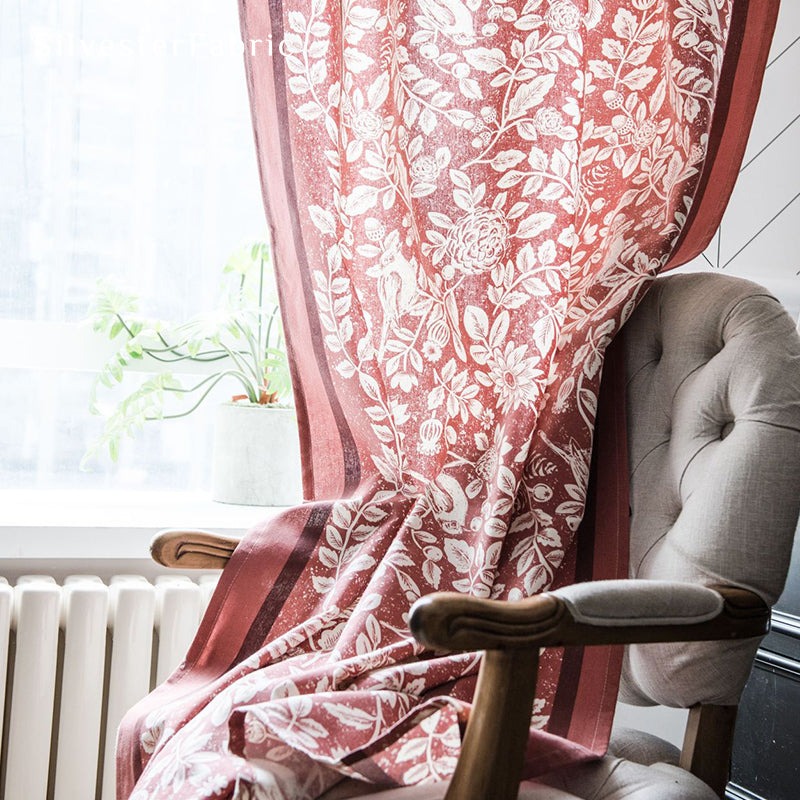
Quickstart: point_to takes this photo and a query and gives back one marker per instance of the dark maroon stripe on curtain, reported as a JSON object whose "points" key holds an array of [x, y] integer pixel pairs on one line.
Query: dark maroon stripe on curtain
{"points": [[282, 588], [298, 391], [722, 107], [611, 401], [369, 770], [138, 767], [752, 26], [572, 659], [352, 463], [601, 667]]}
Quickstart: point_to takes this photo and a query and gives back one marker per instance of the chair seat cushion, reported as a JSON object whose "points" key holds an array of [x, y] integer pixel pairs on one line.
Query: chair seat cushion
{"points": [[609, 778], [614, 778], [642, 748]]}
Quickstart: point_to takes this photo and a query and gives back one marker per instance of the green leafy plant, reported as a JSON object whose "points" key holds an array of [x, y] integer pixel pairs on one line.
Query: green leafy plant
{"points": [[240, 342]]}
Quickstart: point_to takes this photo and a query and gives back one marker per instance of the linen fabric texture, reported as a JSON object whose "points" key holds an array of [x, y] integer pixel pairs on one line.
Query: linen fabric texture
{"points": [[714, 365], [654, 602], [467, 201], [607, 779]]}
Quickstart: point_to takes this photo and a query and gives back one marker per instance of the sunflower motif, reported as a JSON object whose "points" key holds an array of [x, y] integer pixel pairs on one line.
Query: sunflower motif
{"points": [[514, 377]]}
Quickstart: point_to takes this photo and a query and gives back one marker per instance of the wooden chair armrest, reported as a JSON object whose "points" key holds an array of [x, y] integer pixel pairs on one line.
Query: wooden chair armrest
{"points": [[492, 753], [451, 621], [192, 549]]}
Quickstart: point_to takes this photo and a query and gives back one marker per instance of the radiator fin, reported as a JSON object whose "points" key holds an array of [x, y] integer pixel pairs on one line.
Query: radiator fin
{"points": [[37, 602], [61, 705], [84, 615]]}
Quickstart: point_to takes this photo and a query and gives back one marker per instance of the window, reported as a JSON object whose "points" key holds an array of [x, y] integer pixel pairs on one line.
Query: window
{"points": [[125, 150]]}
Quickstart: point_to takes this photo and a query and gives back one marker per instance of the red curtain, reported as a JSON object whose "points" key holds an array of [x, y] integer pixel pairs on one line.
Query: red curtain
{"points": [[467, 199]]}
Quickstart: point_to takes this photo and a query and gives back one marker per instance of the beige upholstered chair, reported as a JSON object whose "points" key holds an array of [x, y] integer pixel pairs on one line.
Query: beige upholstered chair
{"points": [[713, 371]]}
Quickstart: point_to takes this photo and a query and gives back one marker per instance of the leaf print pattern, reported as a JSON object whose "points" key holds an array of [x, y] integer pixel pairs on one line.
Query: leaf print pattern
{"points": [[485, 190]]}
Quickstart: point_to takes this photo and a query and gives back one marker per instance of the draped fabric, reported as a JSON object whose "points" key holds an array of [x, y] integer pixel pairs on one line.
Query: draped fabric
{"points": [[467, 199]]}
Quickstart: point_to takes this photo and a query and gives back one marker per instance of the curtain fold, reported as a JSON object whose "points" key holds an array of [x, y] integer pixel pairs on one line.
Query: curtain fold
{"points": [[466, 199]]}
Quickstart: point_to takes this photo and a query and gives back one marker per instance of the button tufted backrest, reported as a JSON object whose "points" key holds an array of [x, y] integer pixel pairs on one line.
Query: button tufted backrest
{"points": [[713, 403]]}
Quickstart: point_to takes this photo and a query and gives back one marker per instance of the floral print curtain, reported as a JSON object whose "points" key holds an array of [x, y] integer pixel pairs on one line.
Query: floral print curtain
{"points": [[467, 199]]}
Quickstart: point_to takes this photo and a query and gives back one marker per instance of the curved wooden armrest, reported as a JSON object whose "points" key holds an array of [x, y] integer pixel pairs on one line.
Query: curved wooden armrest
{"points": [[193, 549], [451, 621], [493, 749]]}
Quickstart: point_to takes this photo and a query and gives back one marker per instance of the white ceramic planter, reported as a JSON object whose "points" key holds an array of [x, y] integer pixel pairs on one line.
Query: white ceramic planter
{"points": [[256, 456]]}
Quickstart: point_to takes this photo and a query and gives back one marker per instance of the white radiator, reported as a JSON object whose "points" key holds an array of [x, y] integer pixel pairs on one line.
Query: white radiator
{"points": [[73, 660]]}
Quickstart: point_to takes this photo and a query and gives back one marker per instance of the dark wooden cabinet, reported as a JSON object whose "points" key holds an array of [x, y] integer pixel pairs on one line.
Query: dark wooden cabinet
{"points": [[766, 750]]}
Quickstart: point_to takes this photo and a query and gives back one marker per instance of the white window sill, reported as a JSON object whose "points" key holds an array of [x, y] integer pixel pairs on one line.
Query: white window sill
{"points": [[80, 525]]}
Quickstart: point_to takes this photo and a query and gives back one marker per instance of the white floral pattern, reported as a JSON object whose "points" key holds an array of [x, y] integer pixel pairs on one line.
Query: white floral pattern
{"points": [[487, 189]]}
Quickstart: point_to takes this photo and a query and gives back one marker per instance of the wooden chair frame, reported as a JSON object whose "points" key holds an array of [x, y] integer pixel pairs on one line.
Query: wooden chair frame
{"points": [[511, 634]]}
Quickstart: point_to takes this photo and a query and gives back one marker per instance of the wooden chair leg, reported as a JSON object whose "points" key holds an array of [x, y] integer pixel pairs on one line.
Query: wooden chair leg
{"points": [[490, 765], [708, 743]]}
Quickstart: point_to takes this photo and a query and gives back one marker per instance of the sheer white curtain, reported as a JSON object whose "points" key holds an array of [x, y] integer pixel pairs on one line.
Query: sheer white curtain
{"points": [[125, 150]]}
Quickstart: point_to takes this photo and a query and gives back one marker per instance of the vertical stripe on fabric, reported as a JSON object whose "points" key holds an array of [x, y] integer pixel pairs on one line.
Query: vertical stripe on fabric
{"points": [[572, 658], [601, 666], [351, 461], [301, 407], [746, 53], [281, 589], [602, 554]]}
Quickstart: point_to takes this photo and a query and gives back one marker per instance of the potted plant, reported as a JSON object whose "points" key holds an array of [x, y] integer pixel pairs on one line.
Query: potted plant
{"points": [[256, 453]]}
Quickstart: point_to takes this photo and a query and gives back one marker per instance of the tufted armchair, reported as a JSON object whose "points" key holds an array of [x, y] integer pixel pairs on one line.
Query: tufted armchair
{"points": [[713, 404]]}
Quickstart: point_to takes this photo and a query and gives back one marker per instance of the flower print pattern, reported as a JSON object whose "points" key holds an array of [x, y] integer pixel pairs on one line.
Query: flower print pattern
{"points": [[477, 241], [484, 192]]}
